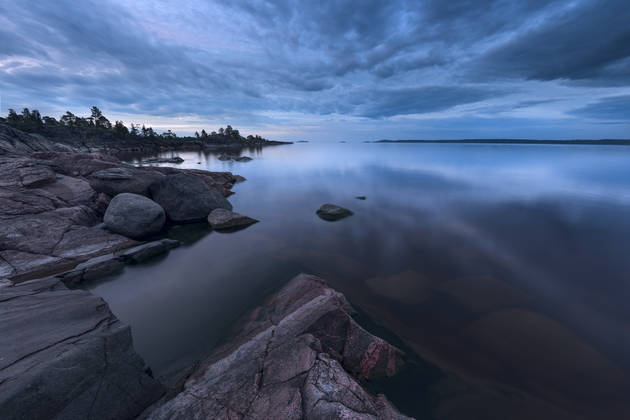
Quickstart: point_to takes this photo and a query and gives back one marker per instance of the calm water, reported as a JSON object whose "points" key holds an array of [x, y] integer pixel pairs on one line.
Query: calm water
{"points": [[503, 270]]}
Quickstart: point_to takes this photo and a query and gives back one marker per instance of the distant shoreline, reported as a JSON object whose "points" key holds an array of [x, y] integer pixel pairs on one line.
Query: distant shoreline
{"points": [[608, 142]]}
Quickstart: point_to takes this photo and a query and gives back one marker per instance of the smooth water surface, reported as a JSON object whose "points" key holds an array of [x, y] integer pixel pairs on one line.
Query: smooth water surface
{"points": [[504, 270]]}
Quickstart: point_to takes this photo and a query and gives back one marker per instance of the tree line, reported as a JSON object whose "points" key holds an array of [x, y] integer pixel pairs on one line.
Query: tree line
{"points": [[96, 122]]}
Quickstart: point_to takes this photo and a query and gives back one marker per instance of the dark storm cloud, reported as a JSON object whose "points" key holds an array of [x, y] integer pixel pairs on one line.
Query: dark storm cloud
{"points": [[588, 42], [368, 58], [422, 100], [613, 108]]}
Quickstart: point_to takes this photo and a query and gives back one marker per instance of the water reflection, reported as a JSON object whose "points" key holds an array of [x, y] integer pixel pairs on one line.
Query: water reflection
{"points": [[504, 266]]}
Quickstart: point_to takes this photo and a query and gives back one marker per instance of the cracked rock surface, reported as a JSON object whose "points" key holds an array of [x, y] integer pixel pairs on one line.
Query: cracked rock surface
{"points": [[64, 355], [51, 202], [297, 356]]}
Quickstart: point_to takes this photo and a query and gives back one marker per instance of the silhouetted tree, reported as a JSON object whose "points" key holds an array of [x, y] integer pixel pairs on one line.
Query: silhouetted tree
{"points": [[68, 119], [13, 117], [96, 113], [50, 122], [134, 130], [120, 129]]}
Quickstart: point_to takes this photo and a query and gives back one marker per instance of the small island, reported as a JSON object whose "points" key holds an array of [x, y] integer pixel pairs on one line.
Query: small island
{"points": [[606, 142]]}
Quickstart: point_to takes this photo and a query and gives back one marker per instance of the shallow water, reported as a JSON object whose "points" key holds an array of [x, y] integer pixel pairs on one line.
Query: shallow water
{"points": [[504, 270]]}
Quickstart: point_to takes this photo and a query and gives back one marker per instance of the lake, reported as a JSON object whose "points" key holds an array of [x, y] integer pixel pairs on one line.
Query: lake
{"points": [[502, 270]]}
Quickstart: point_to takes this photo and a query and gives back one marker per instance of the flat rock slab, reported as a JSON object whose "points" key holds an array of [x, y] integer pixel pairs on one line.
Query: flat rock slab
{"points": [[298, 356], [332, 212], [225, 219], [105, 265], [64, 355]]}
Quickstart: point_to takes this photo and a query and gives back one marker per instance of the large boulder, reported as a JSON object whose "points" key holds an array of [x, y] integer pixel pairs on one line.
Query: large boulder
{"points": [[134, 216], [226, 219], [187, 198], [64, 355], [300, 355], [114, 181]]}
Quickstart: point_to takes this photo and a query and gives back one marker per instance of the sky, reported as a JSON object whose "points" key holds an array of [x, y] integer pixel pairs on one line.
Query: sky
{"points": [[327, 69]]}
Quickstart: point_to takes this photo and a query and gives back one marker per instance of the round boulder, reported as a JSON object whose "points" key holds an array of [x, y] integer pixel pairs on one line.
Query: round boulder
{"points": [[187, 198], [225, 219], [134, 215], [332, 212]]}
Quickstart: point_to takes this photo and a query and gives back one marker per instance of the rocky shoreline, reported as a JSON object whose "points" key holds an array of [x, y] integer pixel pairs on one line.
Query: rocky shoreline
{"points": [[65, 355]]}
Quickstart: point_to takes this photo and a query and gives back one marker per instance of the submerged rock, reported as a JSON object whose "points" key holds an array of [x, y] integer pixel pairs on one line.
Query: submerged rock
{"points": [[298, 356], [226, 219], [332, 212], [66, 356], [187, 198], [234, 158], [134, 216], [361, 197]]}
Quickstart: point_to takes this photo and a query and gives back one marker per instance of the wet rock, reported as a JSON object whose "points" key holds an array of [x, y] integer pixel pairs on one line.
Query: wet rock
{"points": [[118, 180], [93, 269], [226, 219], [298, 356], [187, 198], [66, 356], [112, 263], [332, 212], [225, 157], [134, 216], [242, 159], [144, 252], [175, 159]]}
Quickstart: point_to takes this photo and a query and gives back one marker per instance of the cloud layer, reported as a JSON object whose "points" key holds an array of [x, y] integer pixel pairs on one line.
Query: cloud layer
{"points": [[310, 69]]}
